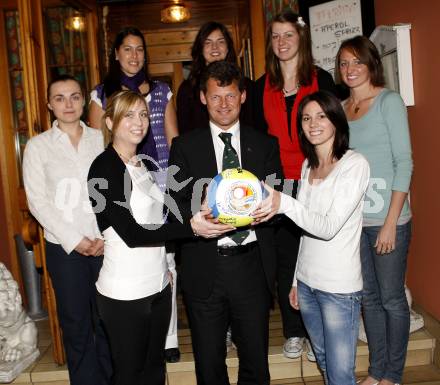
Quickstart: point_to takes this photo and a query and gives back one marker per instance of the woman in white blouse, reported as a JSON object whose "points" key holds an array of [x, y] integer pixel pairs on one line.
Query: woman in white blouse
{"points": [[55, 167], [134, 293], [327, 287]]}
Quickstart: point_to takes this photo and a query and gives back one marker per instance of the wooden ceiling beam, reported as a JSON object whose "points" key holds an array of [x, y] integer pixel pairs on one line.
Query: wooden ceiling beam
{"points": [[87, 5]]}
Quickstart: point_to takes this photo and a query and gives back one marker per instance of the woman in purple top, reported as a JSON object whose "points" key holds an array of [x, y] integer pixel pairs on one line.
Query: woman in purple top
{"points": [[128, 69]]}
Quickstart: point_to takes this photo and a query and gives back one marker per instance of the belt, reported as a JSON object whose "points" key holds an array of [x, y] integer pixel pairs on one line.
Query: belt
{"points": [[227, 251]]}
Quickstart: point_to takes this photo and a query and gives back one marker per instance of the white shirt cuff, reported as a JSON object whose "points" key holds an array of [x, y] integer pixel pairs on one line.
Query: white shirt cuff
{"points": [[69, 244], [285, 204]]}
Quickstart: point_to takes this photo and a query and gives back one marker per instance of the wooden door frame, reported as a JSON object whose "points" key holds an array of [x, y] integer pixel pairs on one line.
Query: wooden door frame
{"points": [[8, 162], [34, 75], [258, 31]]}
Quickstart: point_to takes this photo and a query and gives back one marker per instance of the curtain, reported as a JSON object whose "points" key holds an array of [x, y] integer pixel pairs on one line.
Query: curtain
{"points": [[15, 70], [66, 48]]}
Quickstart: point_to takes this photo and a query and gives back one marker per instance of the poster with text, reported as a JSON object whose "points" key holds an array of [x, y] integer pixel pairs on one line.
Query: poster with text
{"points": [[330, 24]]}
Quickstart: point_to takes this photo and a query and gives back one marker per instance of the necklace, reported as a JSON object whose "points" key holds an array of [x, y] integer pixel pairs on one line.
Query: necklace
{"points": [[356, 105], [287, 92], [131, 160]]}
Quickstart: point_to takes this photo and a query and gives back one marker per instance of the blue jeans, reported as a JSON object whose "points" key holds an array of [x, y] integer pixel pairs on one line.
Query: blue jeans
{"points": [[332, 321], [385, 307]]}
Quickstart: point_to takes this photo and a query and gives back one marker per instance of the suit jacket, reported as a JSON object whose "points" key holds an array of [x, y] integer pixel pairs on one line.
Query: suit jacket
{"points": [[194, 156]]}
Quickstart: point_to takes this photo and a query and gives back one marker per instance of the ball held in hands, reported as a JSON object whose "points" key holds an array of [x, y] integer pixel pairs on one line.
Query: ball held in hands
{"points": [[233, 195]]}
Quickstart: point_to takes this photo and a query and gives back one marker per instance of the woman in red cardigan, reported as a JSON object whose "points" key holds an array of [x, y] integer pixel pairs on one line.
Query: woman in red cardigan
{"points": [[290, 76]]}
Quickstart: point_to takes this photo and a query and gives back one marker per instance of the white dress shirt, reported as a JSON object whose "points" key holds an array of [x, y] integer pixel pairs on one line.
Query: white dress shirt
{"points": [[133, 273], [330, 213], [55, 180], [219, 147]]}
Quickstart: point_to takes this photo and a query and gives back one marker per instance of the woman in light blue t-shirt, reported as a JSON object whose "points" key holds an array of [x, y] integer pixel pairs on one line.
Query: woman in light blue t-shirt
{"points": [[379, 130]]}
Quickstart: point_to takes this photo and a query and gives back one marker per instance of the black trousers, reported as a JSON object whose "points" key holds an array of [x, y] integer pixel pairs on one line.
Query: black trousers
{"points": [[73, 278], [137, 332], [240, 298], [287, 239]]}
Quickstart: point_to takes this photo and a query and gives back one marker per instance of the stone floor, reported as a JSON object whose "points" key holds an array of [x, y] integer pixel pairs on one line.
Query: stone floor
{"points": [[283, 371]]}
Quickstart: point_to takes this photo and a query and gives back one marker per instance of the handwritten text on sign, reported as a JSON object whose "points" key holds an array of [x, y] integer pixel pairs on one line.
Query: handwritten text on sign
{"points": [[331, 23]]}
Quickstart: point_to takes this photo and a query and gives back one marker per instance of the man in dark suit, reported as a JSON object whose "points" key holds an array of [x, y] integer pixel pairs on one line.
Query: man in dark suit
{"points": [[227, 280]]}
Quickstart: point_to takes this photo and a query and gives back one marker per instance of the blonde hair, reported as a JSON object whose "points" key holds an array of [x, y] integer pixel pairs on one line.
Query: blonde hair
{"points": [[117, 107]]}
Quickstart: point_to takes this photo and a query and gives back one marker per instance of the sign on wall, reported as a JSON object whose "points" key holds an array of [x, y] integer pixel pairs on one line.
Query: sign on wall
{"points": [[330, 24]]}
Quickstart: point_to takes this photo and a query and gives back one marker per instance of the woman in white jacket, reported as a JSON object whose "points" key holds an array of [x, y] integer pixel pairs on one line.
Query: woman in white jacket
{"points": [[327, 287]]}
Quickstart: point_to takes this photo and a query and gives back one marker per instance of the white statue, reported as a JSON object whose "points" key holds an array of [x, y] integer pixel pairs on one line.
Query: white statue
{"points": [[18, 334]]}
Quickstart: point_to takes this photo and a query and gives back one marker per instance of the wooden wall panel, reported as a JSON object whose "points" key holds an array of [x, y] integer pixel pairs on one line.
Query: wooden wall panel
{"points": [[170, 37], [258, 37], [169, 53], [146, 16]]}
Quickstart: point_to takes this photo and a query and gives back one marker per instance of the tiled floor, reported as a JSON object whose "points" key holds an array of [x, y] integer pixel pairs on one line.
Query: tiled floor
{"points": [[420, 375], [44, 370], [289, 372], [416, 375]]}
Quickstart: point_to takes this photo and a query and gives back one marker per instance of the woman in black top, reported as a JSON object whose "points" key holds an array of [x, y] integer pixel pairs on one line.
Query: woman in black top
{"points": [[212, 43], [134, 294]]}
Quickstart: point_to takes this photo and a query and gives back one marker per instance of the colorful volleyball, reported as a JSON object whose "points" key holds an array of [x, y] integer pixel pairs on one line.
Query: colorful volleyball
{"points": [[233, 195]]}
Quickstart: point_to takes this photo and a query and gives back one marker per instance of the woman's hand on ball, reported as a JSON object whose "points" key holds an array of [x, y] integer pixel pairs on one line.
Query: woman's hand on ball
{"points": [[203, 224], [268, 207]]}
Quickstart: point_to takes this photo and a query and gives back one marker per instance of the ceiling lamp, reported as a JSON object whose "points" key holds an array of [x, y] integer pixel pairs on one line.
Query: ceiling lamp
{"points": [[175, 13]]}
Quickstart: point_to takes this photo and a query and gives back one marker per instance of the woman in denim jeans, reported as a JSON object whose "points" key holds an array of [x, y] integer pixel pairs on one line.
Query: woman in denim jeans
{"points": [[379, 130], [327, 287]]}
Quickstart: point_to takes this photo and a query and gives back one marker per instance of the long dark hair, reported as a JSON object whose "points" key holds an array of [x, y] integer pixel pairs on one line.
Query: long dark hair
{"points": [[332, 108], [199, 62], [367, 53], [305, 58], [112, 82]]}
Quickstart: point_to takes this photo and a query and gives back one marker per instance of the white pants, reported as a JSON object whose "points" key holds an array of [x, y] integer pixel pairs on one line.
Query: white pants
{"points": [[171, 341]]}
